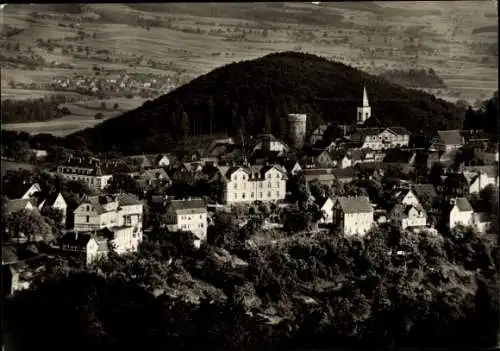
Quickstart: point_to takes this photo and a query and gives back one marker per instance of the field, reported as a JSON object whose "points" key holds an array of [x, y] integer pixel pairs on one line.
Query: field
{"points": [[457, 39], [6, 165], [82, 116]]}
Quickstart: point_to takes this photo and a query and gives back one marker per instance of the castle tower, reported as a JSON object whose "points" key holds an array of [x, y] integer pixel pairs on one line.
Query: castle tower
{"points": [[297, 129], [365, 111]]}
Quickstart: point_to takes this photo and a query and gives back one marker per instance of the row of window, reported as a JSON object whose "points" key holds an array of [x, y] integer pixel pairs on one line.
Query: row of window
{"points": [[76, 170], [252, 195], [189, 217], [269, 185], [188, 226], [256, 175]]}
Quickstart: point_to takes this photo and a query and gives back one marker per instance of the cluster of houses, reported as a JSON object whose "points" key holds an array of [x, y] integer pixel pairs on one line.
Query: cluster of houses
{"points": [[257, 168], [124, 83]]}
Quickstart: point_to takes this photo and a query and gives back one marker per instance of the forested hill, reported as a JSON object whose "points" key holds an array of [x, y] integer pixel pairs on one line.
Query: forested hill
{"points": [[259, 93]]}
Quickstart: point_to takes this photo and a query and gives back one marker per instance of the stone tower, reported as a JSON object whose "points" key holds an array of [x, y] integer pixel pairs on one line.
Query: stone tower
{"points": [[297, 129], [365, 111]]}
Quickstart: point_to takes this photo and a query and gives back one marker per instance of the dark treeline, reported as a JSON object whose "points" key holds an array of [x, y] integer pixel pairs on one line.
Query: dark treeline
{"points": [[486, 118], [252, 94], [34, 110]]}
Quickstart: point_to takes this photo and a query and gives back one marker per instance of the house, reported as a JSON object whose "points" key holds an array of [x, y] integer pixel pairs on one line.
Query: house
{"points": [[244, 184], [326, 206], [479, 177], [402, 160], [447, 141], [353, 214], [460, 213], [188, 215], [454, 185], [121, 215], [344, 175], [153, 177], [268, 142], [426, 195], [91, 171], [409, 216], [318, 133], [39, 154], [56, 201], [323, 176], [12, 206], [317, 158], [381, 138], [85, 244]]}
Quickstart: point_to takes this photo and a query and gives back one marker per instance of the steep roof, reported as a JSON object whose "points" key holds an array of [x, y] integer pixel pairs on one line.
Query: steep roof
{"points": [[463, 204], [450, 137], [98, 201], [354, 204], [52, 198]]}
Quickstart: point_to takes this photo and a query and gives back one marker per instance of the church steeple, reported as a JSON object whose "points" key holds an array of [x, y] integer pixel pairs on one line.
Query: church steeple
{"points": [[365, 98], [364, 111]]}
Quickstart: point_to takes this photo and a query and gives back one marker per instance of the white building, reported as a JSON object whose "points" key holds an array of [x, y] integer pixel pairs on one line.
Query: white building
{"points": [[381, 138], [120, 214], [354, 215], [188, 215], [409, 216], [246, 184], [92, 172], [461, 213], [447, 141]]}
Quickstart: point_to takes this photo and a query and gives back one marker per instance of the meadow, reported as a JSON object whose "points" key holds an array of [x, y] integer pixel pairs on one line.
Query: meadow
{"points": [[196, 39]]}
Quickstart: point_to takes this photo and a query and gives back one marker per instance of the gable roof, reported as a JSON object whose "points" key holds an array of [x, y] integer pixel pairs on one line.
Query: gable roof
{"points": [[450, 137], [354, 204], [189, 206], [463, 205], [49, 202], [424, 190], [98, 201]]}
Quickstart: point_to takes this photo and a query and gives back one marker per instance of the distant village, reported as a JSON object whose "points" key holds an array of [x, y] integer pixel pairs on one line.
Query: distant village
{"points": [[263, 169]]}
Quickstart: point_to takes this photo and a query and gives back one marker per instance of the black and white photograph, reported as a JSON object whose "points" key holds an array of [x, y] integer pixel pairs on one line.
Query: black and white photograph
{"points": [[243, 176]]}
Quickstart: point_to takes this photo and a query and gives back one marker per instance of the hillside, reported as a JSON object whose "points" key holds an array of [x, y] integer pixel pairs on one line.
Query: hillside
{"points": [[241, 95]]}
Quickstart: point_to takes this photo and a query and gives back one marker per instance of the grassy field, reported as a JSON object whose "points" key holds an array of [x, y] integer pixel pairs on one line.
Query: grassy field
{"points": [[377, 34], [82, 116]]}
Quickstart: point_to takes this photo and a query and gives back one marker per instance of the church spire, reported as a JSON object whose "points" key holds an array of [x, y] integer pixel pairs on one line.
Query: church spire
{"points": [[365, 98]]}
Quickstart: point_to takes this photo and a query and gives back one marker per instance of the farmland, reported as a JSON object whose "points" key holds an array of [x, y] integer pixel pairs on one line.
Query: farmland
{"points": [[143, 50]]}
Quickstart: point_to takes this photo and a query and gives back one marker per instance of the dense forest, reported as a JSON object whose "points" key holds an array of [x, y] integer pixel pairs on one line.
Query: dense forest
{"points": [[485, 118], [414, 78], [258, 94], [34, 110], [389, 289]]}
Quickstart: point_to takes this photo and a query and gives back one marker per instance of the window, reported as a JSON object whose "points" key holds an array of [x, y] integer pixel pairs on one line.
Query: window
{"points": [[268, 194], [201, 217], [360, 116], [235, 177], [269, 185], [236, 186], [277, 184], [260, 194], [243, 177], [278, 194], [235, 196], [251, 195], [88, 219], [243, 195], [260, 185]]}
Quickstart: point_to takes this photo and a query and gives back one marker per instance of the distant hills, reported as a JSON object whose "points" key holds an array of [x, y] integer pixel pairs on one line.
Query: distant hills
{"points": [[258, 94]]}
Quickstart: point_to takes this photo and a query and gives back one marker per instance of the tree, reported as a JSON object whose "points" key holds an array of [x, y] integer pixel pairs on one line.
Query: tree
{"points": [[122, 182], [116, 105], [29, 225], [99, 115], [103, 105], [54, 217], [184, 125]]}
